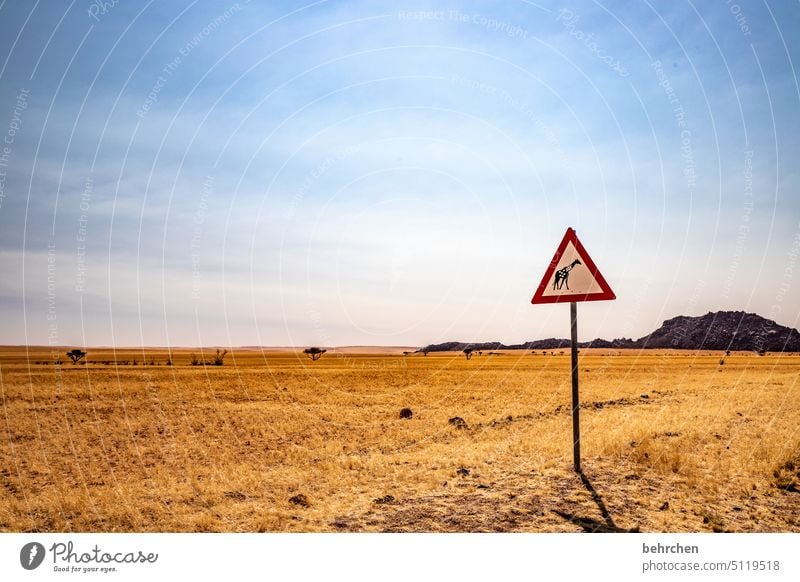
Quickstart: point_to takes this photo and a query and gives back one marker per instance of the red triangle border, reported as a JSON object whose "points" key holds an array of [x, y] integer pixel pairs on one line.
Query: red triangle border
{"points": [[605, 294]]}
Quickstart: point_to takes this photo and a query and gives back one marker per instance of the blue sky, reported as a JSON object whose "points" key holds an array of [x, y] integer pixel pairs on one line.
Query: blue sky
{"points": [[346, 173]]}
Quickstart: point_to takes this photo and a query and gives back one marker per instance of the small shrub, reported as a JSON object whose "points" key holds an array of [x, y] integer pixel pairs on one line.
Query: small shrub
{"points": [[787, 476], [300, 500], [458, 422]]}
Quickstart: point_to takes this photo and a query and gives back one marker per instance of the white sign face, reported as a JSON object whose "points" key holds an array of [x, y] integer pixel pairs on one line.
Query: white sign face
{"points": [[571, 276]]}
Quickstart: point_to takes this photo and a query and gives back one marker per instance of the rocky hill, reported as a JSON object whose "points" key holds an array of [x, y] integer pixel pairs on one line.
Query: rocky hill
{"points": [[723, 330]]}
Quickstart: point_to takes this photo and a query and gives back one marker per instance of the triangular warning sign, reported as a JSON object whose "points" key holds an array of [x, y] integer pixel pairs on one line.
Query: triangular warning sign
{"points": [[572, 276]]}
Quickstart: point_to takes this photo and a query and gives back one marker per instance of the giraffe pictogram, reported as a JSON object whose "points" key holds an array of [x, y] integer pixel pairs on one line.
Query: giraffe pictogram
{"points": [[562, 276], [587, 285]]}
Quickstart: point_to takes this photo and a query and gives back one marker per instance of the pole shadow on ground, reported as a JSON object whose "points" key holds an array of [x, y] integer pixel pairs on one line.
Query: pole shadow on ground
{"points": [[591, 525]]}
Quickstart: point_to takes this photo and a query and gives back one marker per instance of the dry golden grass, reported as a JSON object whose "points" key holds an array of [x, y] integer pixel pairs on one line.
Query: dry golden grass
{"points": [[190, 448]]}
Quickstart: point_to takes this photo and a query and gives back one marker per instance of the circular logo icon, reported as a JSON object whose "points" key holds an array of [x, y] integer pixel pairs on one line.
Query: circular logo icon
{"points": [[31, 555]]}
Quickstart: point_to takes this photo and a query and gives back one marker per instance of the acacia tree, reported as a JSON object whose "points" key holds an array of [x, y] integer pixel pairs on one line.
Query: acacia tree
{"points": [[76, 355], [468, 352], [314, 353]]}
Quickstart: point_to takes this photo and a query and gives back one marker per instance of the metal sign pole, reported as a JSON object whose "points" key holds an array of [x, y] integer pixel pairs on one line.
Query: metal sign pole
{"points": [[576, 421], [587, 284]]}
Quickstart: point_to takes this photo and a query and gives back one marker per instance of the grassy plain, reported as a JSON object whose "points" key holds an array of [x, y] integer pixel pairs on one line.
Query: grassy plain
{"points": [[672, 441]]}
